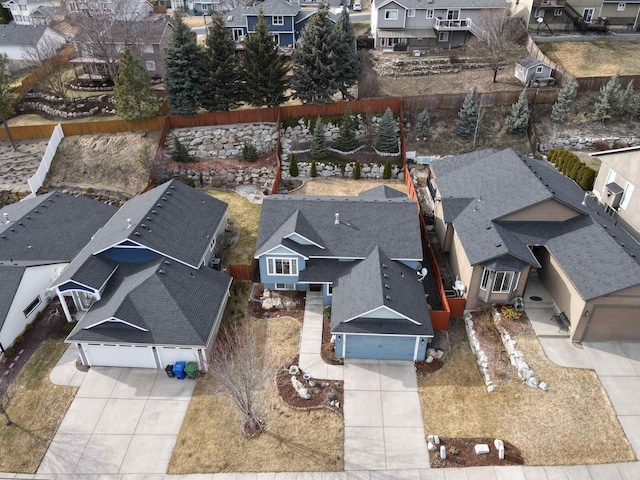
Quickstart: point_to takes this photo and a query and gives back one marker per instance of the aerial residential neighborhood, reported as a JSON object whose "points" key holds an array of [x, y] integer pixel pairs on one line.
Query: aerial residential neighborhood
{"points": [[293, 239]]}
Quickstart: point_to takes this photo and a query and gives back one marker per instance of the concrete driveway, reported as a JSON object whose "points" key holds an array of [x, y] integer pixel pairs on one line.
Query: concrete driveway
{"points": [[123, 420]]}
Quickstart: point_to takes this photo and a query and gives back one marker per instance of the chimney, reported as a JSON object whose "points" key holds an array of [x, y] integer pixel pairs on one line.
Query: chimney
{"points": [[337, 222]]}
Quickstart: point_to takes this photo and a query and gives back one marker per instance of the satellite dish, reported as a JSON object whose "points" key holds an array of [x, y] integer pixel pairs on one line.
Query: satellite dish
{"points": [[422, 274], [539, 20]]}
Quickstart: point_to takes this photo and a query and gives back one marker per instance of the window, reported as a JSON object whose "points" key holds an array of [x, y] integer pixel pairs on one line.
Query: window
{"points": [[538, 13], [32, 306], [119, 47], [453, 14], [429, 13], [18, 18], [330, 289], [621, 7], [587, 14], [23, 8], [277, 20], [390, 42], [282, 266], [486, 273], [557, 12], [502, 283], [237, 33], [151, 65], [443, 37], [626, 196], [276, 38], [611, 177], [411, 12], [391, 15], [539, 69], [285, 286], [147, 49]]}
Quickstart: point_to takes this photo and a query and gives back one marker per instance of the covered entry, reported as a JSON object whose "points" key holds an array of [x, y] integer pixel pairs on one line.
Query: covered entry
{"points": [[381, 347]]}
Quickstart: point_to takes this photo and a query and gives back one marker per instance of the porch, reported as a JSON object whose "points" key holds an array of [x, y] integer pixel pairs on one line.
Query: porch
{"points": [[541, 309]]}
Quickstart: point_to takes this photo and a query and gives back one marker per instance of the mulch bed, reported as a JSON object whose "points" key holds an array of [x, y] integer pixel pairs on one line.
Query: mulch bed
{"points": [[516, 327], [424, 368], [500, 369], [296, 311], [328, 352], [324, 393], [467, 457], [50, 323]]}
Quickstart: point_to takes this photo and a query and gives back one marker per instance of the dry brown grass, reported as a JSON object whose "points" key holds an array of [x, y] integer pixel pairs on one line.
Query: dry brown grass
{"points": [[210, 439], [595, 59], [37, 410], [193, 22], [573, 423], [341, 186], [35, 119], [244, 218]]}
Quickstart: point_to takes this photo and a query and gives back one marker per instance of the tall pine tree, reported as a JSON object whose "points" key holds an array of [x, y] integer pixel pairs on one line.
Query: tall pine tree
{"points": [[563, 104], [135, 100], [319, 150], [264, 68], [315, 68], [387, 133], [349, 62], [221, 87], [347, 138], [468, 115], [610, 101], [518, 120], [184, 74]]}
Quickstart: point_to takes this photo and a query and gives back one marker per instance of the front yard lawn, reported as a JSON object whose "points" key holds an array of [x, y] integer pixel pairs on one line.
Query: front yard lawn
{"points": [[37, 408], [573, 423], [210, 439]]}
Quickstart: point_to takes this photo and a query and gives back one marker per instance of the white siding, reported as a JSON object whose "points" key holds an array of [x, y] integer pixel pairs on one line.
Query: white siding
{"points": [[169, 356]]}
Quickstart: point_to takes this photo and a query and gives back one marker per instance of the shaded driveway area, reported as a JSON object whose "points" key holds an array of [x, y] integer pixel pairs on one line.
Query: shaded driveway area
{"points": [[123, 420]]}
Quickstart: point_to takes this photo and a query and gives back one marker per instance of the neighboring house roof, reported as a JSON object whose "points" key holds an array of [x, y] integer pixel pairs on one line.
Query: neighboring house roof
{"points": [[48, 11], [379, 282], [445, 4], [173, 220], [382, 191], [146, 31], [599, 257], [11, 278], [22, 35], [161, 302], [364, 222], [305, 14], [530, 62], [235, 17]]}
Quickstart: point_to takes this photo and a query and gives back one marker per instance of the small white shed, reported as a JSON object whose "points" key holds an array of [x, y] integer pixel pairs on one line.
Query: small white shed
{"points": [[529, 69]]}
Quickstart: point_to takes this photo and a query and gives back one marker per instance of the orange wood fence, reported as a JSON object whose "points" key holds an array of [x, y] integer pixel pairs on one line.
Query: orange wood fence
{"points": [[242, 273]]}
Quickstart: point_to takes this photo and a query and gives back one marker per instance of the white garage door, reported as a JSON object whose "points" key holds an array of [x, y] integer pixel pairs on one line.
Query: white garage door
{"points": [[609, 324], [119, 356]]}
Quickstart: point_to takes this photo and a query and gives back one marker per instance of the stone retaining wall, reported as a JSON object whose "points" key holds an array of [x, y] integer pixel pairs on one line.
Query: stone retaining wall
{"points": [[225, 141], [260, 177], [584, 143], [373, 170]]}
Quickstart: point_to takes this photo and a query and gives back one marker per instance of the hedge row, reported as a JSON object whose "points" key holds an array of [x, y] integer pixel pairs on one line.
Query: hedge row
{"points": [[570, 165]]}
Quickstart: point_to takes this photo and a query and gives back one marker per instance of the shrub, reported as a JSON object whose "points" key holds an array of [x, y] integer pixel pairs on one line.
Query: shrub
{"points": [[319, 150], [293, 166], [468, 115], [327, 311], [67, 327], [9, 352], [29, 326], [249, 152], [179, 152], [89, 191], [386, 173], [587, 180], [20, 339], [314, 171], [357, 171], [347, 139], [510, 313]]}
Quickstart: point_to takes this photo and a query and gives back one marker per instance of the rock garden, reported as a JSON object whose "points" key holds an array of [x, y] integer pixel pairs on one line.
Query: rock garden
{"points": [[68, 107]]}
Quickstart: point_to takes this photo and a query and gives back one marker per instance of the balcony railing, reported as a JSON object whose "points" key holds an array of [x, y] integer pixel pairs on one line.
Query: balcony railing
{"points": [[452, 25], [549, 3]]}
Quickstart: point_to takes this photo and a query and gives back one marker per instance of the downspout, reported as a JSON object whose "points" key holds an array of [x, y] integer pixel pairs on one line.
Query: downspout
{"points": [[635, 24], [1, 348]]}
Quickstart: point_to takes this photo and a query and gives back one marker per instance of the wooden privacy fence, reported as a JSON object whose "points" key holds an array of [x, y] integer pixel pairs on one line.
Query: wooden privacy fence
{"points": [[242, 273], [590, 84]]}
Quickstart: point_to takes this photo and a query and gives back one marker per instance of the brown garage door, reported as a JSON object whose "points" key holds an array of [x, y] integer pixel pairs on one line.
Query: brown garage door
{"points": [[613, 324]]}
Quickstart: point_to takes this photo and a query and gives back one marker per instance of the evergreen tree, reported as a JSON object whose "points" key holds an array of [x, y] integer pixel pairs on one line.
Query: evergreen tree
{"points": [[423, 123], [315, 71], [314, 171], [264, 68], [184, 74], [628, 98], [636, 108], [347, 139], [221, 86], [610, 101], [518, 120], [350, 66], [386, 173], [468, 115], [387, 133], [563, 104], [293, 166], [319, 150], [135, 100], [179, 152], [357, 170]]}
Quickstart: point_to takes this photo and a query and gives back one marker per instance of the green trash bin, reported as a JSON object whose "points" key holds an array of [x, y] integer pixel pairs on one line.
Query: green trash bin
{"points": [[191, 369]]}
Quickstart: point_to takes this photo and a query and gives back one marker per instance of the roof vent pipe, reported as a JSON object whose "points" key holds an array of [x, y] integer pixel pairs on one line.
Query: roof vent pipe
{"points": [[6, 217], [128, 223], [337, 221]]}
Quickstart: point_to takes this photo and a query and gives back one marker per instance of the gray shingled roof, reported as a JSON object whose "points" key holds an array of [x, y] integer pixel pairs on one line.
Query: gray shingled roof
{"points": [[49, 228], [323, 271], [176, 304], [529, 62], [596, 261], [446, 4], [375, 282], [269, 7], [364, 224], [382, 191], [11, 278], [22, 35]]}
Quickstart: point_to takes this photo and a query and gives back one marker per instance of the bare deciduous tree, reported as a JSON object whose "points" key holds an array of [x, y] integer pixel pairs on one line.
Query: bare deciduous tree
{"points": [[52, 65], [6, 397], [243, 368], [498, 33]]}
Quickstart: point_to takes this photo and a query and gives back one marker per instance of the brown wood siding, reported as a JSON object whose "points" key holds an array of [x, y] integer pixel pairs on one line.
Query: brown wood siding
{"points": [[547, 211]]}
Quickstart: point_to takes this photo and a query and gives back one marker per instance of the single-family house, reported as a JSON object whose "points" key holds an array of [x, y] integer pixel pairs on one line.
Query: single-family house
{"points": [[531, 71], [428, 23], [22, 10], [615, 185], [205, 7], [46, 15], [285, 20], [364, 254], [39, 236], [145, 293], [119, 9], [501, 216], [147, 40], [18, 41]]}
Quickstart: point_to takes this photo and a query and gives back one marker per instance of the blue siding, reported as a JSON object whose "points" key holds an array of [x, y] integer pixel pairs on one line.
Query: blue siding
{"points": [[422, 348], [129, 255], [273, 279], [327, 299], [287, 27]]}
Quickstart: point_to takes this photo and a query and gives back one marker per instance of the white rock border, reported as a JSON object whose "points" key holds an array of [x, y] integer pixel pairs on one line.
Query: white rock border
{"points": [[483, 360]]}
